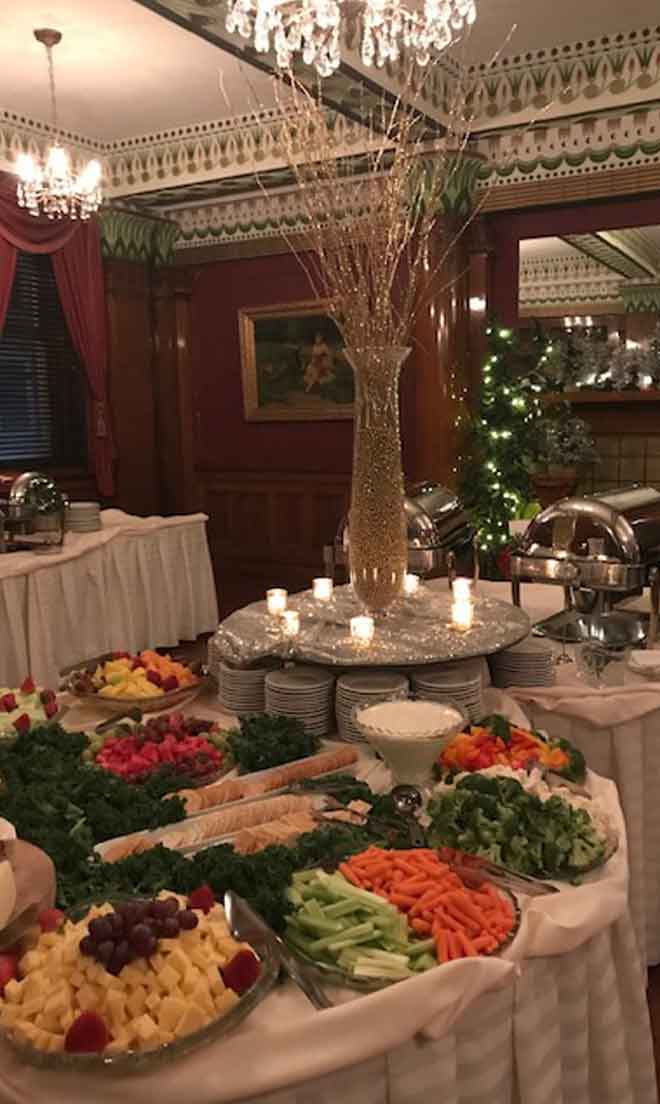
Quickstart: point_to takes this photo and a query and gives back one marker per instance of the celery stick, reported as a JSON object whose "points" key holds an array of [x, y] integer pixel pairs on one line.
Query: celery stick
{"points": [[424, 962], [350, 933], [339, 909], [300, 877], [294, 897], [318, 926], [421, 946], [375, 970], [376, 955], [352, 941]]}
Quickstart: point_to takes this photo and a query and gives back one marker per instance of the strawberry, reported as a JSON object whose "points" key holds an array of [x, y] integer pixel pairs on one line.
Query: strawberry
{"points": [[46, 696], [27, 686], [202, 898], [50, 919], [170, 683], [153, 676], [23, 723], [88, 1034], [8, 702], [241, 972], [8, 969], [50, 708]]}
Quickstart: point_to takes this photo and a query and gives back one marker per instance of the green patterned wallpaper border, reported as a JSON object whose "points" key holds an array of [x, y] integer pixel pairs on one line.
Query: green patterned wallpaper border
{"points": [[126, 236]]}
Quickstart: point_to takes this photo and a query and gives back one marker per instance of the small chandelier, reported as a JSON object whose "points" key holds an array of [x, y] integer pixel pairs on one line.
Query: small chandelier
{"points": [[311, 29], [51, 188]]}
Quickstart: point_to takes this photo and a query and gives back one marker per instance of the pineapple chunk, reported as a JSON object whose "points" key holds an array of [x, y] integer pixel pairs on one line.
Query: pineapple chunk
{"points": [[192, 1020], [202, 998], [170, 1013], [154, 1001], [224, 1002], [120, 1042], [144, 1027], [13, 991], [89, 998], [179, 961], [168, 978], [136, 1002], [30, 961]]}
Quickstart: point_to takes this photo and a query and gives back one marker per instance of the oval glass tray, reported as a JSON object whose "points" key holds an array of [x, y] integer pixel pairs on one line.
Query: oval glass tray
{"points": [[332, 973], [132, 1061], [157, 704]]}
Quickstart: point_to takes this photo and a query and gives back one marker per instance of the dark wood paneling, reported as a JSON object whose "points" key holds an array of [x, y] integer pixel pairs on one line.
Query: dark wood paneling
{"points": [[130, 371], [269, 530]]}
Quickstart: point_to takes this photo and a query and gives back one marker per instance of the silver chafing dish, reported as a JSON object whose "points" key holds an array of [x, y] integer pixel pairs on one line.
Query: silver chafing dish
{"points": [[602, 549], [440, 536], [32, 517]]}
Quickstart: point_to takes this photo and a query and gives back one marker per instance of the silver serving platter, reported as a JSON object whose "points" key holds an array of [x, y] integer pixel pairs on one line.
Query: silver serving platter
{"points": [[416, 630]]}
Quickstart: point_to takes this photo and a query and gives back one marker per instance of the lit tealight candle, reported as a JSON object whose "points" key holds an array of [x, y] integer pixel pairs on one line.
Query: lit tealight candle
{"points": [[411, 584], [291, 621], [462, 613], [362, 629], [322, 589], [462, 590], [276, 601]]}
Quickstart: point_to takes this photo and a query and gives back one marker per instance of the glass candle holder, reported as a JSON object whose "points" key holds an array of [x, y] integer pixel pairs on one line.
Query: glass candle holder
{"points": [[462, 590], [411, 584], [322, 589], [291, 622], [462, 614], [362, 630], [276, 600]]}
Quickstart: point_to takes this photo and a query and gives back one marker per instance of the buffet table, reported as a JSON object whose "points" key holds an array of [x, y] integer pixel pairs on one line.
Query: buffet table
{"points": [[560, 1018], [618, 733], [137, 583]]}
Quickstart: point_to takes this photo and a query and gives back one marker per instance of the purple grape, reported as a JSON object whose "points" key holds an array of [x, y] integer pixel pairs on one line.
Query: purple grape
{"points": [[159, 909], [170, 927], [116, 925], [120, 957], [101, 928], [87, 946], [129, 913], [188, 920], [171, 906], [104, 951], [142, 939]]}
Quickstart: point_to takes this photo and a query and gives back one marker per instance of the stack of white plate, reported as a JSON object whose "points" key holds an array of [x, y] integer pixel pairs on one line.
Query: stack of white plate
{"points": [[242, 689], [458, 683], [83, 517], [302, 692], [530, 663], [364, 688]]}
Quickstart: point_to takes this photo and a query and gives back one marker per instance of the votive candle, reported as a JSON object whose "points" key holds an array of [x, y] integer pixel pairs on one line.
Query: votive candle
{"points": [[322, 589], [411, 584], [462, 590], [462, 613], [276, 601], [291, 620], [362, 629]]}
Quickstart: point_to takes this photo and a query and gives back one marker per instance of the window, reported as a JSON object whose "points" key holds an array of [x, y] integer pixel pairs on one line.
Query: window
{"points": [[42, 385]]}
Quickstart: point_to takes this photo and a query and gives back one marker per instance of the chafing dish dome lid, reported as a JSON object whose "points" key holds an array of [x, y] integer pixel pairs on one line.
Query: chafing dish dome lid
{"points": [[35, 492], [623, 526]]}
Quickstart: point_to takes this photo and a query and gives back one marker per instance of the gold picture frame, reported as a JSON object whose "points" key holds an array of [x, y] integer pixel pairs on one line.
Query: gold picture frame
{"points": [[293, 364]]}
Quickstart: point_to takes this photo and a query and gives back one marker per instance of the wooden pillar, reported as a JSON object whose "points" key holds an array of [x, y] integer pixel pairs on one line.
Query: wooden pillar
{"points": [[130, 384], [438, 395], [172, 288]]}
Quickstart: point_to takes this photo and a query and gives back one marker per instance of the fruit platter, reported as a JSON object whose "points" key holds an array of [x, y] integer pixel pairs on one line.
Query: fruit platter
{"points": [[514, 818], [191, 748], [130, 981], [148, 681], [387, 915], [23, 706], [495, 741]]}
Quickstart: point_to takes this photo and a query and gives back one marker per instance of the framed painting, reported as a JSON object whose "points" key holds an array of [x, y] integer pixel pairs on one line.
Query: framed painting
{"points": [[293, 364]]}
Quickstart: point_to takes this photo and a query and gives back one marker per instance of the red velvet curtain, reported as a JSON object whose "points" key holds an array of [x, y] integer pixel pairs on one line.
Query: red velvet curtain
{"points": [[78, 268]]}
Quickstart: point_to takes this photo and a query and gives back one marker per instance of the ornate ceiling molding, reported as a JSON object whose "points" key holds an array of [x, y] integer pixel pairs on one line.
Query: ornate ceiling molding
{"points": [[642, 297], [563, 79], [22, 134], [549, 280], [608, 254]]}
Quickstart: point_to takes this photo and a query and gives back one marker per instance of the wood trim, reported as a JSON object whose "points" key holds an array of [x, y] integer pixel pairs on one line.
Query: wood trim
{"points": [[610, 398], [574, 189]]}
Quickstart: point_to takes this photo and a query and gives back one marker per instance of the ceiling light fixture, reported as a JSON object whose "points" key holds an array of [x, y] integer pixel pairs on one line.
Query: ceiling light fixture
{"points": [[52, 188], [312, 29]]}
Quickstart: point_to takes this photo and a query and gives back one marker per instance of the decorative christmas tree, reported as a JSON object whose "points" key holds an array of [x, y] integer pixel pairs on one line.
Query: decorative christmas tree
{"points": [[494, 480]]}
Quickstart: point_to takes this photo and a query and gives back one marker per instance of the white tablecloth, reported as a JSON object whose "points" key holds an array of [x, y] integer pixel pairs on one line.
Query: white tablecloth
{"points": [[561, 1018], [139, 582]]}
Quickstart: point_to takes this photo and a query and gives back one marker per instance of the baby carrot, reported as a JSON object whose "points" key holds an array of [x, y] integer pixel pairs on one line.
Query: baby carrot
{"points": [[422, 927], [468, 947]]}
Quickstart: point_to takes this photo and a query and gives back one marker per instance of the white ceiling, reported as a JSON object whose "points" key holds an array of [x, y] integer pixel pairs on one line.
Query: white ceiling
{"points": [[120, 69], [511, 27], [534, 248]]}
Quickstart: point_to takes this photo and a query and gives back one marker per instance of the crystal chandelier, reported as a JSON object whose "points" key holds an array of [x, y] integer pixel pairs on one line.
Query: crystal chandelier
{"points": [[52, 188], [311, 29]]}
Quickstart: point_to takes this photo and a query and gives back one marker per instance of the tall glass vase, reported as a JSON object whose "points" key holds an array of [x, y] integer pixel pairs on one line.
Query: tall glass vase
{"points": [[376, 525]]}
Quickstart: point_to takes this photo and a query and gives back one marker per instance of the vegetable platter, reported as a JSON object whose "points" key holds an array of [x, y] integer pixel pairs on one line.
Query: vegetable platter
{"points": [[516, 820], [496, 741], [387, 915]]}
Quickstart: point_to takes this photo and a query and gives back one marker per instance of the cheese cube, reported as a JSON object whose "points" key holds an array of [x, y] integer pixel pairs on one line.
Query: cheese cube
{"points": [[192, 1020], [144, 1027], [168, 978]]}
